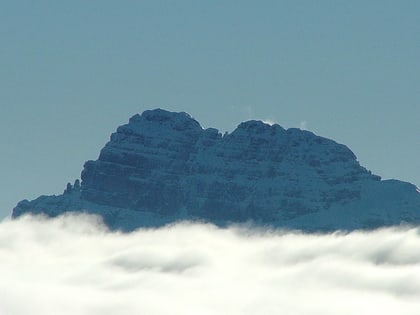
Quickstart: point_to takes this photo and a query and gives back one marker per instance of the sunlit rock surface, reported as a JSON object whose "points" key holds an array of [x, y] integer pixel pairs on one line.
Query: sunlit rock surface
{"points": [[163, 167]]}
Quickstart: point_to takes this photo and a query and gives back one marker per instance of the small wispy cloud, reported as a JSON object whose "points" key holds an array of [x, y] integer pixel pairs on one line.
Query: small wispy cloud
{"points": [[74, 265], [268, 121], [249, 112], [303, 125]]}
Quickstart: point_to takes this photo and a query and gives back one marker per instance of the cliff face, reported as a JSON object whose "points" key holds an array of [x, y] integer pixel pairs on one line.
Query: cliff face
{"points": [[163, 166]]}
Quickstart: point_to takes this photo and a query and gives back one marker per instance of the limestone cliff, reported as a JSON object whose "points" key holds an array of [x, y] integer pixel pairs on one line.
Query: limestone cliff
{"points": [[163, 166]]}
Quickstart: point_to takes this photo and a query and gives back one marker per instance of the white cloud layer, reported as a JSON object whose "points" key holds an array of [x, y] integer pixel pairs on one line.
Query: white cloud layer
{"points": [[73, 265]]}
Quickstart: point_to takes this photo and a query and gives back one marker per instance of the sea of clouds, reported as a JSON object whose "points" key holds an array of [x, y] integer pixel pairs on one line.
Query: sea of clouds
{"points": [[74, 265]]}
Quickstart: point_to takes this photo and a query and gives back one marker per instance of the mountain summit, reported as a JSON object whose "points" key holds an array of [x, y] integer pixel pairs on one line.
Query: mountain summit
{"points": [[163, 167]]}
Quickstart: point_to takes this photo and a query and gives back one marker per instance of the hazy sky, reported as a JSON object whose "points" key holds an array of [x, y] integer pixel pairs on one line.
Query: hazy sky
{"points": [[72, 71]]}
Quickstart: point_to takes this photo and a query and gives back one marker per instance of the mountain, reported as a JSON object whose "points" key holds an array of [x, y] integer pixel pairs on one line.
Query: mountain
{"points": [[163, 166]]}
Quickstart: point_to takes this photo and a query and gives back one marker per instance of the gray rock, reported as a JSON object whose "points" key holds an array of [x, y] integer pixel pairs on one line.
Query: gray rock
{"points": [[162, 167]]}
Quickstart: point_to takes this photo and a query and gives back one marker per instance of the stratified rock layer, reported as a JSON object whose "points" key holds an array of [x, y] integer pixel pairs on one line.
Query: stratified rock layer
{"points": [[162, 167]]}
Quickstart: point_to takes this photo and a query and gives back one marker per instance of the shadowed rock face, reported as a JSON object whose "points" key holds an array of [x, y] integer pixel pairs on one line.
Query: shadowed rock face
{"points": [[141, 167], [163, 166]]}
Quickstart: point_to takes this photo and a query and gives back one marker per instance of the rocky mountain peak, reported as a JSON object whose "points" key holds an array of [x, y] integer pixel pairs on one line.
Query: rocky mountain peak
{"points": [[177, 121], [163, 166]]}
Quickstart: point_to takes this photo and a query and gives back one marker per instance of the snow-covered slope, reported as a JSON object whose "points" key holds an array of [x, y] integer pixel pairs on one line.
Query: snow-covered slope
{"points": [[162, 167]]}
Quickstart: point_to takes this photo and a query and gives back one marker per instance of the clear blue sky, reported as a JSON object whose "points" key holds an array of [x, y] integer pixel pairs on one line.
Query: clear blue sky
{"points": [[72, 71]]}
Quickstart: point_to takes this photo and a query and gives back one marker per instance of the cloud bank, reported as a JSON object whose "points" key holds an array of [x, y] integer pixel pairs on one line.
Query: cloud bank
{"points": [[73, 265]]}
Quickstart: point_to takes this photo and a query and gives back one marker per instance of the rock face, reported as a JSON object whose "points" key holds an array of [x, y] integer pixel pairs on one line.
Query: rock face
{"points": [[162, 167]]}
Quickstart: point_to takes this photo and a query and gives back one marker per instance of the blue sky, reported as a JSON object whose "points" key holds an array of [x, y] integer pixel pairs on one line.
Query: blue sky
{"points": [[72, 71]]}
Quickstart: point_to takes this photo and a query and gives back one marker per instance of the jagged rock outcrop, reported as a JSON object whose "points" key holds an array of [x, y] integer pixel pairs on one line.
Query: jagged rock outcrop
{"points": [[164, 166]]}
